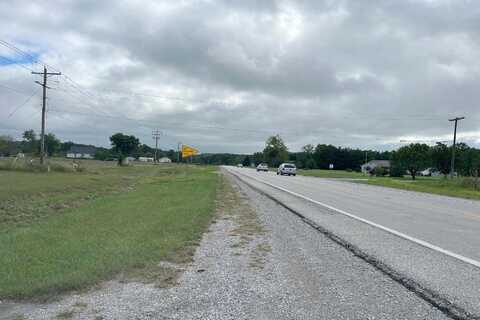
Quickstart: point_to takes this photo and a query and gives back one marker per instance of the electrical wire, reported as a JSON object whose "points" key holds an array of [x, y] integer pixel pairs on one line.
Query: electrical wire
{"points": [[15, 63], [14, 90], [22, 104]]}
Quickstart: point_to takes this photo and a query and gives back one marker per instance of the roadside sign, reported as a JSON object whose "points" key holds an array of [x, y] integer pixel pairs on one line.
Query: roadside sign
{"points": [[330, 166], [188, 151]]}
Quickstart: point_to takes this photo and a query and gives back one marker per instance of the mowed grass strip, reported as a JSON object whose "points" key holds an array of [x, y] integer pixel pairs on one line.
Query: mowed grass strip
{"points": [[334, 174], [437, 185], [26, 197], [111, 234]]}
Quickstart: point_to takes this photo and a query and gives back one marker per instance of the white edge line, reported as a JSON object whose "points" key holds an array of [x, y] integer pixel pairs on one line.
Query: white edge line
{"points": [[373, 224]]}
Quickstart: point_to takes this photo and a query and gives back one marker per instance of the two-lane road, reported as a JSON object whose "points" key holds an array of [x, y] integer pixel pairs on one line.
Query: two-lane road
{"points": [[449, 223], [430, 239]]}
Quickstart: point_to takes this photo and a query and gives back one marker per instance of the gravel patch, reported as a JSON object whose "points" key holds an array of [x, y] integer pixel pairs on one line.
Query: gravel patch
{"points": [[258, 261]]}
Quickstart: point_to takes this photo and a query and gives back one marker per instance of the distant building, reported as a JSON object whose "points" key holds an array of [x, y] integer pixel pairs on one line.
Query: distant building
{"points": [[81, 152], [145, 159], [164, 160], [372, 164]]}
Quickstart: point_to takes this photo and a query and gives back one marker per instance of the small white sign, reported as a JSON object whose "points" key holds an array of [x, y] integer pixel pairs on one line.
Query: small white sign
{"points": [[330, 166]]}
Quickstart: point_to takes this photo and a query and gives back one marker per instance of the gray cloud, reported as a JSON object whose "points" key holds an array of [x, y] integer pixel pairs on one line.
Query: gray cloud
{"points": [[224, 75]]}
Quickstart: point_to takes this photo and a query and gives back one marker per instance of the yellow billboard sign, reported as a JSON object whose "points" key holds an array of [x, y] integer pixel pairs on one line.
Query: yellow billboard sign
{"points": [[188, 151]]}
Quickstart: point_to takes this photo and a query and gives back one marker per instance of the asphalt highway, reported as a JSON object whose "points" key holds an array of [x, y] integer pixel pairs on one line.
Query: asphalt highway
{"points": [[431, 240]]}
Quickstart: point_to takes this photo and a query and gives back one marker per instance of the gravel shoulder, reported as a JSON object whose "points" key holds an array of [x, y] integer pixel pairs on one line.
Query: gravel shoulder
{"points": [[257, 261]]}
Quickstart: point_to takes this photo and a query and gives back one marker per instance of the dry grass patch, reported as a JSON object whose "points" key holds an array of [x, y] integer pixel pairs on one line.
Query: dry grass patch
{"points": [[248, 229]]}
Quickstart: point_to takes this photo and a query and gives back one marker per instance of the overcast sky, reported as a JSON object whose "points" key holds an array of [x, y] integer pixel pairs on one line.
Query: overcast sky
{"points": [[224, 75]]}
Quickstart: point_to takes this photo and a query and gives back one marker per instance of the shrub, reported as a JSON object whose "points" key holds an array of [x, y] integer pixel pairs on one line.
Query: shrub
{"points": [[397, 171], [379, 172], [32, 165], [470, 182]]}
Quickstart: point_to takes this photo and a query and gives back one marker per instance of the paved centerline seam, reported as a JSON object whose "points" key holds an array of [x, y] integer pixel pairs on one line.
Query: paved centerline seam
{"points": [[376, 225]]}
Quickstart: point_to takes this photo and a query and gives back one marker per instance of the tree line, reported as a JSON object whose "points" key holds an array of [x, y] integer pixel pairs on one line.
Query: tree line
{"points": [[409, 159], [121, 146]]}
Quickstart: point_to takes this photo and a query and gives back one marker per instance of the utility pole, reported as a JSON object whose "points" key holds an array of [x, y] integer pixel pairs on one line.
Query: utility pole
{"points": [[452, 169], [156, 135], [178, 152], [44, 107]]}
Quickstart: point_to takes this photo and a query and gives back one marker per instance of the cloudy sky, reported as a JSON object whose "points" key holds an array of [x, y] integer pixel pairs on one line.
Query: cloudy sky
{"points": [[225, 75]]}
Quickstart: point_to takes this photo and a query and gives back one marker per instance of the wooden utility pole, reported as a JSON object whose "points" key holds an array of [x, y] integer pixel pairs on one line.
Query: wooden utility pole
{"points": [[44, 108], [156, 135], [178, 152], [452, 169]]}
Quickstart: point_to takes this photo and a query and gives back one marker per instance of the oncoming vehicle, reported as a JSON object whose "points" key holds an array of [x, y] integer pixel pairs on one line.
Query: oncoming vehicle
{"points": [[287, 169], [262, 167]]}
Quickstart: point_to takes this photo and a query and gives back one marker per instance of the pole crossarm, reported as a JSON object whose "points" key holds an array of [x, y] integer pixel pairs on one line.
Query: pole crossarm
{"points": [[45, 75], [452, 167]]}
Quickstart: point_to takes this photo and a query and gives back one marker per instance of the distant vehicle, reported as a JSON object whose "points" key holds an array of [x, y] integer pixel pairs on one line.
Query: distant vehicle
{"points": [[287, 169], [430, 172], [262, 167], [240, 165]]}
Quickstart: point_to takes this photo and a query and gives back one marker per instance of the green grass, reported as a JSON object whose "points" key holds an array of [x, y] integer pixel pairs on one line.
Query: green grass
{"points": [[137, 217], [331, 174], [436, 185], [441, 186]]}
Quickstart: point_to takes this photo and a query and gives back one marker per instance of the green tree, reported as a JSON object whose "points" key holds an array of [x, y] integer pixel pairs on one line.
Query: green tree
{"points": [[413, 157], [7, 145], [325, 155], [258, 158], [275, 152], [65, 146], [30, 143], [463, 159], [246, 161], [441, 157], [52, 144], [307, 157], [123, 145]]}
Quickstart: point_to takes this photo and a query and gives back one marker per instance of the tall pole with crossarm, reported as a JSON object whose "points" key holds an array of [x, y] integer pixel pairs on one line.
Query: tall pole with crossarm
{"points": [[452, 169], [44, 107]]}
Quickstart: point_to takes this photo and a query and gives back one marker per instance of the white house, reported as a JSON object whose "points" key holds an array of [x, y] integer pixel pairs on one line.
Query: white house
{"points": [[372, 164], [81, 152], [145, 159], [164, 160]]}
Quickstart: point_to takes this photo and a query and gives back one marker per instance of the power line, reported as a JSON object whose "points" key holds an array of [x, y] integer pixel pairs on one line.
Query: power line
{"points": [[35, 60], [156, 136], [21, 105], [44, 107], [456, 119], [14, 90], [15, 63]]}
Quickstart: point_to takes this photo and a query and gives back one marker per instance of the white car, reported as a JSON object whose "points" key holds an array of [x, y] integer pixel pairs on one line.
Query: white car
{"points": [[430, 172], [287, 169], [262, 167]]}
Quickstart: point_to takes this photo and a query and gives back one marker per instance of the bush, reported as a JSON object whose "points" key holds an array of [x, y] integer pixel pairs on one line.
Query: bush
{"points": [[396, 171], [32, 165], [60, 168], [469, 182], [379, 172]]}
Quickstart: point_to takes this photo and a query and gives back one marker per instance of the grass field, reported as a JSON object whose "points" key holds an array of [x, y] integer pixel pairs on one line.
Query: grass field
{"points": [[441, 186], [437, 185], [63, 231], [332, 174]]}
